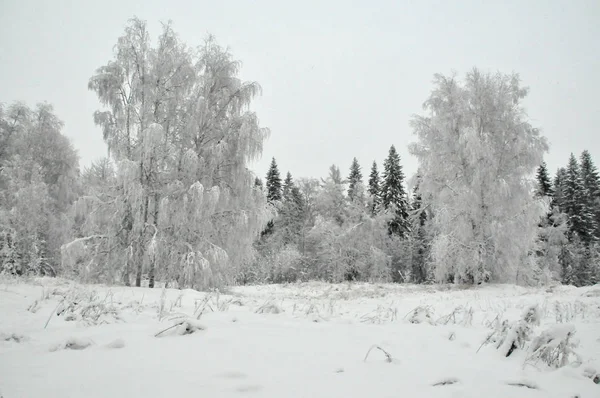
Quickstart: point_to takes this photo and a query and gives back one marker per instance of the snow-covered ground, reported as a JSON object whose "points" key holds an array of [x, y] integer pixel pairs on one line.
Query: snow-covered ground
{"points": [[304, 340]]}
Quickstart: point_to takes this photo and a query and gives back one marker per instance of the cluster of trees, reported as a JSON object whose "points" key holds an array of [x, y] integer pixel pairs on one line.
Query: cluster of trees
{"points": [[337, 228], [571, 229], [476, 212], [38, 184], [174, 200]]}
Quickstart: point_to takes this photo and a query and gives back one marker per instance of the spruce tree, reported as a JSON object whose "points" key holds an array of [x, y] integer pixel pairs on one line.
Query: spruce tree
{"points": [[573, 190], [558, 189], [543, 190], [374, 188], [591, 194], [273, 183], [354, 178], [291, 216], [544, 186], [576, 207], [394, 195], [419, 271], [258, 183], [288, 184]]}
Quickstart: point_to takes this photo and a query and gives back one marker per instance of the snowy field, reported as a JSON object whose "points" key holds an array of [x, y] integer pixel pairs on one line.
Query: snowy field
{"points": [[304, 340]]}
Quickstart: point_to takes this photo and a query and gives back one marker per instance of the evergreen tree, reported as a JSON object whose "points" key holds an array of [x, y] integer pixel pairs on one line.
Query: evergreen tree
{"points": [[258, 183], [419, 271], [394, 195], [273, 183], [331, 201], [544, 187], [591, 194], [354, 178], [288, 184], [558, 189], [374, 188], [291, 216], [580, 219]]}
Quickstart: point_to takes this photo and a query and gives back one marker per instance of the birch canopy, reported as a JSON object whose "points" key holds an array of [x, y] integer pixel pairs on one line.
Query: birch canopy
{"points": [[477, 154], [175, 201]]}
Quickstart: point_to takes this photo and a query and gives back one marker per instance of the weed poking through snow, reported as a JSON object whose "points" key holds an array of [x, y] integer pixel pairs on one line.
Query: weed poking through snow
{"points": [[182, 327], [388, 356], [269, 308]]}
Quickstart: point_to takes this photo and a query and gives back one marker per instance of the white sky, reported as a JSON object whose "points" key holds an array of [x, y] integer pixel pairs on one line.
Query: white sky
{"points": [[340, 78]]}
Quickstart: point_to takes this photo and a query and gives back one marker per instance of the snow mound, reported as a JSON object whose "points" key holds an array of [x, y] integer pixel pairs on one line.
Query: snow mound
{"points": [[73, 343]]}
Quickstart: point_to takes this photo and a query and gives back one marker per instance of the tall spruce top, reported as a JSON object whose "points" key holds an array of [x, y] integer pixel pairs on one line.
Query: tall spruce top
{"points": [[273, 184]]}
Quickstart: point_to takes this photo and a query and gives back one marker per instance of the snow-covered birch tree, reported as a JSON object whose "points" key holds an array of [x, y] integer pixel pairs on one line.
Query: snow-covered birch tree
{"points": [[179, 128], [477, 154]]}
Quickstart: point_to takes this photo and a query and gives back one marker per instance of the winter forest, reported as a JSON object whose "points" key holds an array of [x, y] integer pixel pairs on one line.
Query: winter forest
{"points": [[478, 275], [175, 202]]}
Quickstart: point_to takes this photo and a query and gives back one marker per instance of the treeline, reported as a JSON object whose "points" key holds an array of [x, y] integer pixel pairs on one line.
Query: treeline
{"points": [[339, 228], [574, 195], [39, 180], [175, 201]]}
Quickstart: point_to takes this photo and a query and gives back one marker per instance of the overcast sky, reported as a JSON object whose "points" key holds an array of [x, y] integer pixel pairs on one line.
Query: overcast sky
{"points": [[340, 78]]}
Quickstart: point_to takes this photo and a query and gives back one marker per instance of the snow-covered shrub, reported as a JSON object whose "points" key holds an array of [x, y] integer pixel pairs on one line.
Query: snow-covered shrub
{"points": [[460, 315], [92, 313], [509, 337], [284, 265], [515, 338], [421, 314], [381, 315], [566, 312], [86, 307], [532, 315], [269, 308], [555, 347]]}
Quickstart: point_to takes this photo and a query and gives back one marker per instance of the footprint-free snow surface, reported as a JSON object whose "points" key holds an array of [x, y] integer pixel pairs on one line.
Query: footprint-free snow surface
{"points": [[62, 339]]}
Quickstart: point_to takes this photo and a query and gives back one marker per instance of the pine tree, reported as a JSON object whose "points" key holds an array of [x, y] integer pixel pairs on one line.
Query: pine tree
{"points": [[394, 195], [591, 194], [258, 183], [354, 178], [374, 188], [273, 184], [544, 187]]}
